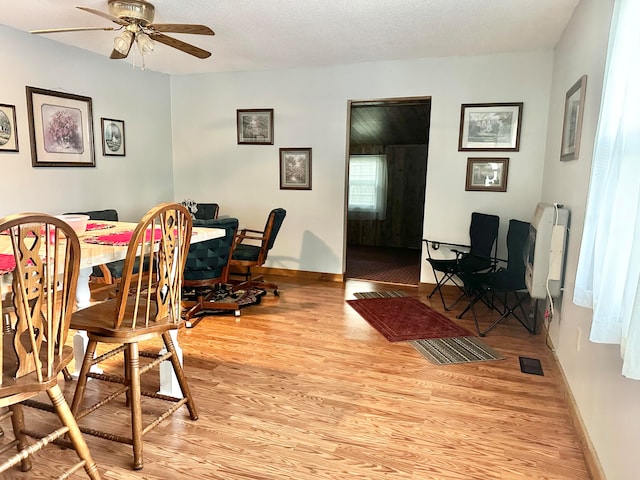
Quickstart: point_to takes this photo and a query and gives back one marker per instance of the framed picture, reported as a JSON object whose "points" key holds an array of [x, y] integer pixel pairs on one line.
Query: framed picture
{"points": [[8, 129], [61, 126], [255, 127], [112, 137], [487, 174], [490, 127], [295, 169], [572, 123]]}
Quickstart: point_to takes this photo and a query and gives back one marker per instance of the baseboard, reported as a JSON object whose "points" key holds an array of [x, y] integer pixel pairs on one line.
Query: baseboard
{"points": [[281, 272], [590, 456]]}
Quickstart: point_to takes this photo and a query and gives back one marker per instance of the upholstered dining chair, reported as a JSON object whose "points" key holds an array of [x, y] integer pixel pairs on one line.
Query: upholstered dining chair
{"points": [[206, 271], [46, 255], [207, 211], [251, 250], [147, 307]]}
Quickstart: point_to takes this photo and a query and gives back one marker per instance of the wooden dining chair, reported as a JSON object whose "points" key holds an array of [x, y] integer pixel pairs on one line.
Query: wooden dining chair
{"points": [[46, 252], [147, 307]]}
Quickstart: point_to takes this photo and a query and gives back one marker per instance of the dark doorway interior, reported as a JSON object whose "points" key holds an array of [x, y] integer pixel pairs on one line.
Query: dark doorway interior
{"points": [[387, 249]]}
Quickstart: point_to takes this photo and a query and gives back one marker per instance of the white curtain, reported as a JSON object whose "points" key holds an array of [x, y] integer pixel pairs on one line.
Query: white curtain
{"points": [[608, 273], [367, 187]]}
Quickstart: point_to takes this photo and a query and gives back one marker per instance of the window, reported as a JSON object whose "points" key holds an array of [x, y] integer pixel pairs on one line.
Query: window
{"points": [[367, 187], [608, 275]]}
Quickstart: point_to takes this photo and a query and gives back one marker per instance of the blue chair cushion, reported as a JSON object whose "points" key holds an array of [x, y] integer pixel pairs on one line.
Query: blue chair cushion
{"points": [[246, 252]]}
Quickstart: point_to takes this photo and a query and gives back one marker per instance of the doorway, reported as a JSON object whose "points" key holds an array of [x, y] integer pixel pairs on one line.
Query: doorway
{"points": [[386, 209]]}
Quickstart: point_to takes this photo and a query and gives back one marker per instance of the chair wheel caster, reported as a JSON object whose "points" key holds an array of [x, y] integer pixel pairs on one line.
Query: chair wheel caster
{"points": [[276, 293]]}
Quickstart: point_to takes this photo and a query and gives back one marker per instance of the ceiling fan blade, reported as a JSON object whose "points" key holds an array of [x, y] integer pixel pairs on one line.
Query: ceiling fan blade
{"points": [[180, 45], [70, 29], [182, 28], [105, 15]]}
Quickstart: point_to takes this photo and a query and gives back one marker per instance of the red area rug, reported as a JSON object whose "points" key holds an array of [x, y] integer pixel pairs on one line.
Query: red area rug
{"points": [[406, 318]]}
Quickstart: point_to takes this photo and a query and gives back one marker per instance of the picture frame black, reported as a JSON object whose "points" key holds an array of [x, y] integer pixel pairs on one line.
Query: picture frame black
{"points": [[490, 127], [61, 128], [113, 137], [255, 126], [487, 174], [8, 129], [572, 120], [295, 168]]}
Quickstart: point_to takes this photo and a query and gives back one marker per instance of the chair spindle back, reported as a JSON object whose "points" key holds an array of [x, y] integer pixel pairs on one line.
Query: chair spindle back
{"points": [[158, 247], [46, 252]]}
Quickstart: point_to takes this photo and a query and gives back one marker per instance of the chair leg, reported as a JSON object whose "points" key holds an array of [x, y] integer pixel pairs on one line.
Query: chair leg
{"points": [[68, 420], [17, 422], [181, 377], [81, 385], [133, 359]]}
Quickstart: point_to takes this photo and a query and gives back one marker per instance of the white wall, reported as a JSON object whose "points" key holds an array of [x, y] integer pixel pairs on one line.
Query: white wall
{"points": [[131, 184], [609, 403], [310, 110]]}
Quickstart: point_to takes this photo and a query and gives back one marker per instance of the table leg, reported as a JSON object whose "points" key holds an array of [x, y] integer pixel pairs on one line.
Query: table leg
{"points": [[168, 381], [80, 339], [83, 293]]}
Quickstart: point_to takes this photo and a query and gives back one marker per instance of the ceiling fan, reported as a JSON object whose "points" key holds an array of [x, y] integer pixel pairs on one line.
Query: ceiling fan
{"points": [[135, 19]]}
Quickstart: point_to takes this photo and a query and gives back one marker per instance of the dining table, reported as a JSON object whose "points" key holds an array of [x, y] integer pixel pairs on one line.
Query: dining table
{"points": [[103, 242]]}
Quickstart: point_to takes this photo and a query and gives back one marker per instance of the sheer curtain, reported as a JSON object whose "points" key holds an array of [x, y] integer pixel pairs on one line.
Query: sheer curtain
{"points": [[608, 274], [367, 187]]}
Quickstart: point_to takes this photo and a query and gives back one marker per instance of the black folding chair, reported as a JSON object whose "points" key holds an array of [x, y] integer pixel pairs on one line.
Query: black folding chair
{"points": [[479, 255], [503, 290]]}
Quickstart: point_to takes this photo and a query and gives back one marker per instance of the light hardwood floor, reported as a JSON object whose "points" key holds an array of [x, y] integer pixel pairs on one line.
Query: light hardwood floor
{"points": [[301, 387]]}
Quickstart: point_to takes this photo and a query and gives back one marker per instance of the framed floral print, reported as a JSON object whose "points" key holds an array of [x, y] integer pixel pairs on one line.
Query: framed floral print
{"points": [[61, 127]]}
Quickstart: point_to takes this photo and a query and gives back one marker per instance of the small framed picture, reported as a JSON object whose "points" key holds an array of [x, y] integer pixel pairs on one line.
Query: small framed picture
{"points": [[8, 129], [255, 127], [572, 123], [487, 174], [295, 169], [112, 137], [61, 126], [490, 127]]}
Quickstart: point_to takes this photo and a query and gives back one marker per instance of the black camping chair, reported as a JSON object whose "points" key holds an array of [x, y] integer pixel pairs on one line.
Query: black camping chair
{"points": [[494, 288], [481, 254]]}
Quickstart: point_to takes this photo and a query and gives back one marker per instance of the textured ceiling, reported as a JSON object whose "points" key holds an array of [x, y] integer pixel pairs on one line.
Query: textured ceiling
{"points": [[276, 34]]}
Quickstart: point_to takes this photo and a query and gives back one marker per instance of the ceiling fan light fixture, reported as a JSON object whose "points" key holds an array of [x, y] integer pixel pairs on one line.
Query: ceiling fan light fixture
{"points": [[122, 43], [145, 44]]}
